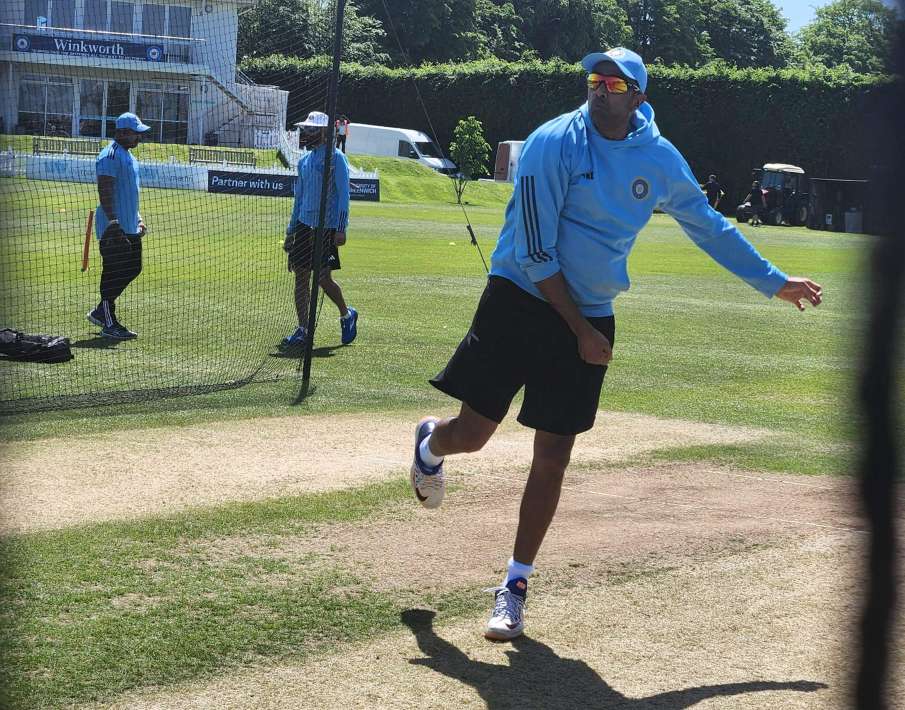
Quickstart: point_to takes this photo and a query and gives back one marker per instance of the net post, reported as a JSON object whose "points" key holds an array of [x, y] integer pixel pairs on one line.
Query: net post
{"points": [[322, 214]]}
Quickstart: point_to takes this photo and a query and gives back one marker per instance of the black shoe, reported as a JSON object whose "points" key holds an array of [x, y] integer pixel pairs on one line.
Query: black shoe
{"points": [[118, 331], [96, 316]]}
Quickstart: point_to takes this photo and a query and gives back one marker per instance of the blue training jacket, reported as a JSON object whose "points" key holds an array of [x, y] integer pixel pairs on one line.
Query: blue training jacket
{"points": [[308, 191], [581, 199]]}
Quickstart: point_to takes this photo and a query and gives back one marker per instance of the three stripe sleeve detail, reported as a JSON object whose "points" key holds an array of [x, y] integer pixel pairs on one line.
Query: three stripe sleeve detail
{"points": [[531, 221]]}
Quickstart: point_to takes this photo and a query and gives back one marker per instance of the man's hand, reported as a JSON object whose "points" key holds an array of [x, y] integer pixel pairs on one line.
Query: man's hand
{"points": [[113, 232], [339, 238], [142, 228], [593, 346], [797, 289]]}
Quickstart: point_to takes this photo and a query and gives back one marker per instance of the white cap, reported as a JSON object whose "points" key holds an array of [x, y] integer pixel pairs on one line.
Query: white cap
{"points": [[315, 118]]}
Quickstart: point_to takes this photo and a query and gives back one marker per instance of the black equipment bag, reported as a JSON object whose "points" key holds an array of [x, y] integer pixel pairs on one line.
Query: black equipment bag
{"points": [[33, 348]]}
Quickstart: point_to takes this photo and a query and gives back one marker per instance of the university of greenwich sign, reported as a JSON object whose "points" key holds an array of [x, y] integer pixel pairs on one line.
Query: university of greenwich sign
{"points": [[112, 49]]}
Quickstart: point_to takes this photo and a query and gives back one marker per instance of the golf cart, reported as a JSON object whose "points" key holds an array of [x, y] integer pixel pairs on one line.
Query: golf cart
{"points": [[786, 194]]}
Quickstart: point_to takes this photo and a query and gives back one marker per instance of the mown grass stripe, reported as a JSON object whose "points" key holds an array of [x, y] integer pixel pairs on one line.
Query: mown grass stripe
{"points": [[92, 611]]}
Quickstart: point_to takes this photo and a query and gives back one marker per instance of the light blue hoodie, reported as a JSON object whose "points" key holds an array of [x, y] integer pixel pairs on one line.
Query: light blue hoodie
{"points": [[306, 208], [581, 199]]}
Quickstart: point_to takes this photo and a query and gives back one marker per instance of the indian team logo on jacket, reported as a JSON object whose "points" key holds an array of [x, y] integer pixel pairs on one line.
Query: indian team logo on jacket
{"points": [[640, 189]]}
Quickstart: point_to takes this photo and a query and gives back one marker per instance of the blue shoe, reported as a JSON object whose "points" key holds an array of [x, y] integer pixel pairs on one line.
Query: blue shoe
{"points": [[118, 331], [349, 327], [295, 340], [427, 481]]}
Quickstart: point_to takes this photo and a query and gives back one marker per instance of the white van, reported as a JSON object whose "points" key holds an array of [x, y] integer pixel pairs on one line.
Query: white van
{"points": [[397, 143]]}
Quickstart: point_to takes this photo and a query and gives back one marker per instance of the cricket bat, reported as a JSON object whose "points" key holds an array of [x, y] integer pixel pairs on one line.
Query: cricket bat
{"points": [[87, 240]]}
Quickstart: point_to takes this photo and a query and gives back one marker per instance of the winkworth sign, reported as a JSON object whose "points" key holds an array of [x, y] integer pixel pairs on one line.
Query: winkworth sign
{"points": [[112, 49]]}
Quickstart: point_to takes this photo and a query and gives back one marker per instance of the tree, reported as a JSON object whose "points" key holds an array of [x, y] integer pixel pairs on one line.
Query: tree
{"points": [[858, 33], [428, 30], [470, 151], [569, 29], [500, 31], [747, 33], [669, 31], [304, 29]]}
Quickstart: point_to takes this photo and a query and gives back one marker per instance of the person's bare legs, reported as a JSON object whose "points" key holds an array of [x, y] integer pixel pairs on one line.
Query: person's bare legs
{"points": [[541, 495], [333, 291], [302, 295], [465, 433], [539, 502]]}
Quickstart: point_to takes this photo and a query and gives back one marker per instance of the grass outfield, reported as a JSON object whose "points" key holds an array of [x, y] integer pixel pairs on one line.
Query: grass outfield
{"points": [[692, 341], [93, 611]]}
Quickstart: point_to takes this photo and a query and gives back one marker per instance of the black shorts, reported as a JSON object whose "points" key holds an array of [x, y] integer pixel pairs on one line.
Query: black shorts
{"points": [[300, 247], [515, 341]]}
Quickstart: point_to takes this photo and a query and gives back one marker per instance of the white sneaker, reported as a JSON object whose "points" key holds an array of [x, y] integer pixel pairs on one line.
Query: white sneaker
{"points": [[508, 617], [427, 481]]}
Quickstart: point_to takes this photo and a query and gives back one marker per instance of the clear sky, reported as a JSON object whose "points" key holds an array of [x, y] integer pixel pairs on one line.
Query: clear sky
{"points": [[801, 12]]}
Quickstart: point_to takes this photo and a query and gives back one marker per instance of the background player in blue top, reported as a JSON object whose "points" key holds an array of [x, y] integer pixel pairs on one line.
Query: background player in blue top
{"points": [[299, 242], [118, 224], [587, 183]]}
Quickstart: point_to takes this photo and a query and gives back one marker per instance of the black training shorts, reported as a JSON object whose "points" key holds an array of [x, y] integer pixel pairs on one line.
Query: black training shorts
{"points": [[515, 341], [300, 247]]}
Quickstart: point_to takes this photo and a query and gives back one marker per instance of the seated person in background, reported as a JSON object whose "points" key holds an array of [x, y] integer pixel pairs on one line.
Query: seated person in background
{"points": [[756, 199]]}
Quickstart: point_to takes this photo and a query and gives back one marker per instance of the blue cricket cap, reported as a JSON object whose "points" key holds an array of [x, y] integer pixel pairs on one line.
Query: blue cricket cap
{"points": [[630, 64], [131, 121]]}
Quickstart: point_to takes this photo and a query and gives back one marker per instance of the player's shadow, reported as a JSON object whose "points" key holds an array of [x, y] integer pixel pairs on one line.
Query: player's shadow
{"points": [[325, 351], [98, 342], [293, 354], [537, 678]]}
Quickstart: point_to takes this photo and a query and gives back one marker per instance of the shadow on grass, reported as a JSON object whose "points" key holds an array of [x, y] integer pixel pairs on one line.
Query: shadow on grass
{"points": [[98, 342], [298, 353], [537, 677]]}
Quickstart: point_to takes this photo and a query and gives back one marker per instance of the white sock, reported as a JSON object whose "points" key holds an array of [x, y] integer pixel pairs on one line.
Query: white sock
{"points": [[347, 316], [428, 456], [516, 570]]}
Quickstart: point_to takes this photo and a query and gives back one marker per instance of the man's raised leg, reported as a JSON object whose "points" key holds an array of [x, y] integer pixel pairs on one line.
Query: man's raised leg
{"points": [[436, 439]]}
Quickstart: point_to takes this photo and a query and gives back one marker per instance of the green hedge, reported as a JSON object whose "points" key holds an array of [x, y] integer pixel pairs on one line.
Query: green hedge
{"points": [[724, 120]]}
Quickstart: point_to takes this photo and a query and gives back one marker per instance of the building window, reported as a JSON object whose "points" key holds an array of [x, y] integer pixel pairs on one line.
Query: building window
{"points": [[122, 16], [169, 21], [101, 102], [166, 109], [180, 23], [109, 15], [153, 19], [117, 103], [45, 105], [35, 9], [91, 108], [57, 13], [62, 13], [96, 15]]}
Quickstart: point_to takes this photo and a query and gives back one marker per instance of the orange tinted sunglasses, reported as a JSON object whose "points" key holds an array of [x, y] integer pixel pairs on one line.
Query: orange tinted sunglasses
{"points": [[614, 84]]}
